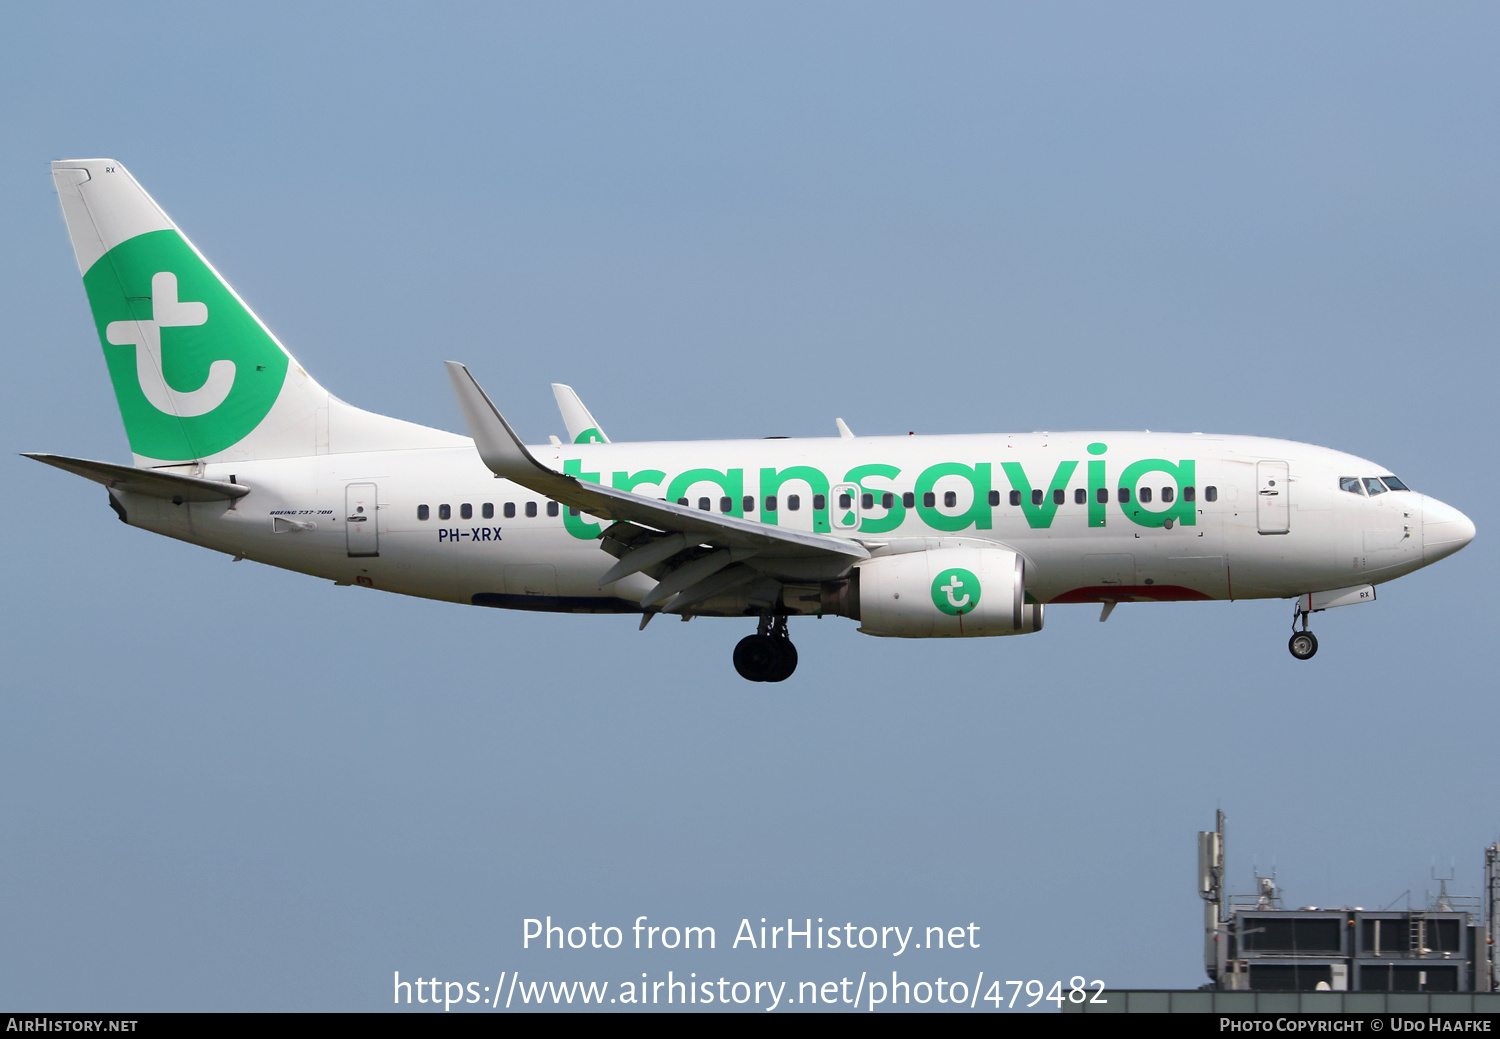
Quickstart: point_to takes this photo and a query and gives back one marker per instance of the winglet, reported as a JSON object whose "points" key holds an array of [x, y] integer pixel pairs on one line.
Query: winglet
{"points": [[582, 429], [844, 430], [499, 447]]}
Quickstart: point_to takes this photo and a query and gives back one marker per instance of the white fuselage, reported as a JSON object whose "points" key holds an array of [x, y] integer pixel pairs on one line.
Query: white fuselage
{"points": [[1250, 517]]}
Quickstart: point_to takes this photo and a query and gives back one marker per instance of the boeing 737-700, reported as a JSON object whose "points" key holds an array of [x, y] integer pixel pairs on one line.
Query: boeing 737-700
{"points": [[236, 448]]}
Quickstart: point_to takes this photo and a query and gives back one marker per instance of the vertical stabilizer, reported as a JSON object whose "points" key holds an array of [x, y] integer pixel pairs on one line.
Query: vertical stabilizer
{"points": [[197, 375]]}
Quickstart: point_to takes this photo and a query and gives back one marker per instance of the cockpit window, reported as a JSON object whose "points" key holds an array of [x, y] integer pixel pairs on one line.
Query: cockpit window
{"points": [[1374, 486], [1351, 484], [1394, 484]]}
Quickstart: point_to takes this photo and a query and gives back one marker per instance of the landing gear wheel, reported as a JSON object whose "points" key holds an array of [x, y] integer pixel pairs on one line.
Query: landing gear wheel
{"points": [[756, 657], [768, 655], [786, 660], [1303, 645]]}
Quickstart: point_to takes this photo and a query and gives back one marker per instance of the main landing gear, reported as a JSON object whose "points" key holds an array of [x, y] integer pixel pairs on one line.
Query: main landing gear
{"points": [[768, 655], [1303, 643]]}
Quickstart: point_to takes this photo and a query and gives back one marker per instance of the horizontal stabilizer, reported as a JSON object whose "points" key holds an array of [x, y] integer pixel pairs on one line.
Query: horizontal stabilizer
{"points": [[151, 482]]}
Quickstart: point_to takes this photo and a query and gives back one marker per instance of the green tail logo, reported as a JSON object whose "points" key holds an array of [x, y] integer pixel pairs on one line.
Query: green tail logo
{"points": [[193, 370]]}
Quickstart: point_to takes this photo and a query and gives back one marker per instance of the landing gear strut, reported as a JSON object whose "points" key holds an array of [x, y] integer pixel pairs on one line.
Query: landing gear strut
{"points": [[768, 655], [1303, 643]]}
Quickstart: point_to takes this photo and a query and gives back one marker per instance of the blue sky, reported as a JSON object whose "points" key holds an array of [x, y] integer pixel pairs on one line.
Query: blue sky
{"points": [[229, 787]]}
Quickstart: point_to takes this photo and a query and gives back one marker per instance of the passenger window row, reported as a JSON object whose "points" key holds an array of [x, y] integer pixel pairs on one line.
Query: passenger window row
{"points": [[887, 500], [773, 503], [793, 502], [1122, 495], [487, 510]]}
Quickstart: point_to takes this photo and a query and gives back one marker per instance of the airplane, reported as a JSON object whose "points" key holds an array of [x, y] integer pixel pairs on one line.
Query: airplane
{"points": [[237, 449]]}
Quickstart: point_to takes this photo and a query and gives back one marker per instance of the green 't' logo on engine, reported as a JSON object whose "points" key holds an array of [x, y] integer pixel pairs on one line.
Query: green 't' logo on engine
{"points": [[193, 371], [955, 591]]}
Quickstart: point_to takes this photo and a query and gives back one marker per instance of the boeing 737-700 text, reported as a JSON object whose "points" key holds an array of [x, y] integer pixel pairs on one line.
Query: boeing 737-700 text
{"points": [[239, 450]]}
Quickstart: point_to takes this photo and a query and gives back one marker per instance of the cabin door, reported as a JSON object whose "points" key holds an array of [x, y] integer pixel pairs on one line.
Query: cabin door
{"points": [[361, 528], [1272, 501]]}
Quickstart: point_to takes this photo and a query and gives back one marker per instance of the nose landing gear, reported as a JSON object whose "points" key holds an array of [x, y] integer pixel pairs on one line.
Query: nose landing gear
{"points": [[1303, 643], [768, 655]]}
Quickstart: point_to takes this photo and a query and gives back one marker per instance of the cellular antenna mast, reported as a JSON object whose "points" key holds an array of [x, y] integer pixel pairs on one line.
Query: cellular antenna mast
{"points": [[1211, 890], [1492, 910]]}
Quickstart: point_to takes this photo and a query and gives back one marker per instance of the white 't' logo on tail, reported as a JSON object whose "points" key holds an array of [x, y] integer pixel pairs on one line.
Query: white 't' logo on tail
{"points": [[145, 336]]}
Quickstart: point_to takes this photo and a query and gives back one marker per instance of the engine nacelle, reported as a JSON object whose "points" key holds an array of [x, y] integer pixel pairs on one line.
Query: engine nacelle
{"points": [[946, 593]]}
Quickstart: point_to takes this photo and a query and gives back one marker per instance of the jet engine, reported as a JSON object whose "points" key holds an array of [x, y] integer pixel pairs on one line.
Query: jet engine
{"points": [[942, 593]]}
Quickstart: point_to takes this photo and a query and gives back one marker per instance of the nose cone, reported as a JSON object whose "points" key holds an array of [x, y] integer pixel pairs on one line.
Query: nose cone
{"points": [[1445, 530]]}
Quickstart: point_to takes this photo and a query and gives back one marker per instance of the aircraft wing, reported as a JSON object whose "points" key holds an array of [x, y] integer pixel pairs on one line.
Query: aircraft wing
{"points": [[690, 581]]}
